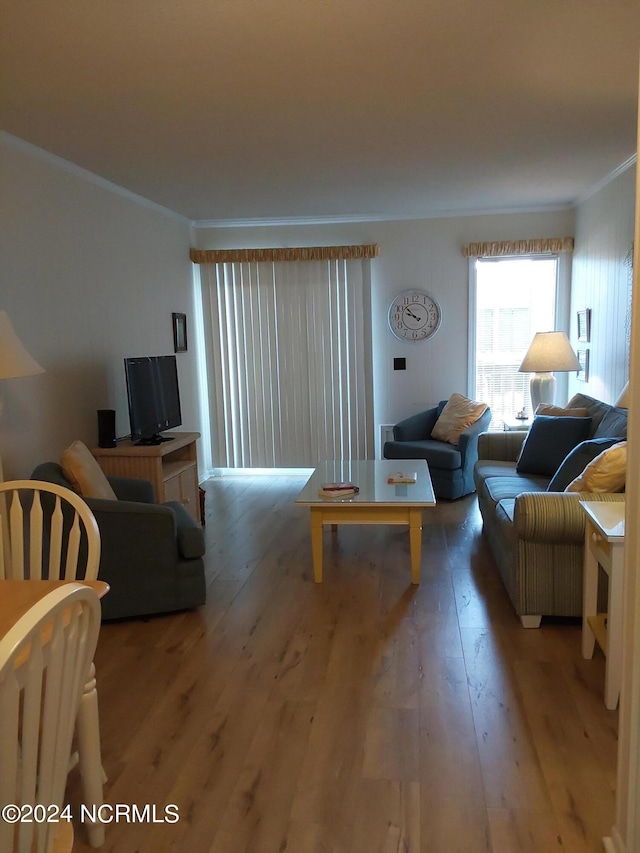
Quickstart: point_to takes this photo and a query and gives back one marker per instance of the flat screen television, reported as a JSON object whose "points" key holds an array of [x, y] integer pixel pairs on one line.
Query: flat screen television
{"points": [[153, 397]]}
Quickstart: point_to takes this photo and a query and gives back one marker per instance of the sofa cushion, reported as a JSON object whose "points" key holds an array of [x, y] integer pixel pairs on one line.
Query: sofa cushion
{"points": [[606, 473], [501, 488], [549, 440], [614, 423], [83, 472], [577, 460], [485, 468], [596, 408], [437, 453], [459, 413], [506, 509]]}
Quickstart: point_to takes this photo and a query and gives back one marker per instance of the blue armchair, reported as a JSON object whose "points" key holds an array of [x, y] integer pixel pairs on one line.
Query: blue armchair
{"points": [[151, 554], [450, 465]]}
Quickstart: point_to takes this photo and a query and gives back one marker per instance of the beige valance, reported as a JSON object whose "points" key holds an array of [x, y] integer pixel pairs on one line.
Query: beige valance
{"points": [[303, 253], [504, 248]]}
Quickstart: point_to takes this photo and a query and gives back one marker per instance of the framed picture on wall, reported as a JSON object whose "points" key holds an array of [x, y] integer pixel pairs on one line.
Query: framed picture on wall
{"points": [[179, 332], [584, 325], [583, 359]]}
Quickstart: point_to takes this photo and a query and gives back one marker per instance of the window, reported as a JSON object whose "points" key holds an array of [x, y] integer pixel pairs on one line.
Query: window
{"points": [[288, 361], [511, 299]]}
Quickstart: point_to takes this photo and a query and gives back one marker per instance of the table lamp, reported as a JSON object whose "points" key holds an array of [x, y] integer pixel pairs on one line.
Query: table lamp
{"points": [[548, 352], [623, 399]]}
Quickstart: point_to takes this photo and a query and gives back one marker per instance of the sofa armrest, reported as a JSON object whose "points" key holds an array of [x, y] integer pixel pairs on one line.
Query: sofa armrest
{"points": [[554, 516], [417, 427], [132, 489], [501, 446]]}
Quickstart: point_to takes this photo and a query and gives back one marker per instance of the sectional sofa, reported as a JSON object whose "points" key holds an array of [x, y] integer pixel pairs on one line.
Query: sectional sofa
{"points": [[536, 535]]}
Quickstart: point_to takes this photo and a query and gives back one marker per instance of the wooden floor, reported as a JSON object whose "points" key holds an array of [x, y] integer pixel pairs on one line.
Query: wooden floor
{"points": [[361, 715]]}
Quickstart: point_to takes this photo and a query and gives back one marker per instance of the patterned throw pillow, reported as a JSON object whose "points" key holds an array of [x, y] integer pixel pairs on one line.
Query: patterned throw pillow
{"points": [[458, 414]]}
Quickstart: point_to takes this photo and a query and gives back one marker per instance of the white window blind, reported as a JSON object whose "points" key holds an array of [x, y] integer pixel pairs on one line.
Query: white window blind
{"points": [[288, 351], [514, 298]]}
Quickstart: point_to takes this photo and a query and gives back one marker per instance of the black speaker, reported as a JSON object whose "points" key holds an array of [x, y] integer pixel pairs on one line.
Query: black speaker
{"points": [[106, 427]]}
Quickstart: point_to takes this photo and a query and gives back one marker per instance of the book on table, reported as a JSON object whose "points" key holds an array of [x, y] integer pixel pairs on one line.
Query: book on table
{"points": [[402, 477], [338, 490]]}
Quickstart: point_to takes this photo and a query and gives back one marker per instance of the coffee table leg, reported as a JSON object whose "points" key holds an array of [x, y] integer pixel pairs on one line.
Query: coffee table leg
{"points": [[415, 542], [316, 544]]}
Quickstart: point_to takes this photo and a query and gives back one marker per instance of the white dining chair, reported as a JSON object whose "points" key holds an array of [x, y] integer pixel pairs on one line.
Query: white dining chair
{"points": [[49, 532], [44, 659]]}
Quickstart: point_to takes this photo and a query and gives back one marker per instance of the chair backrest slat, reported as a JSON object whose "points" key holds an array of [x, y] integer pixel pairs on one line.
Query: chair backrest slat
{"points": [[56, 538], [16, 534], [45, 659], [36, 526], [73, 550], [46, 530]]}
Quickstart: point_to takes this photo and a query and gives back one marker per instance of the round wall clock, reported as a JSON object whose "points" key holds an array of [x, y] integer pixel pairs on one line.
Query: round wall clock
{"points": [[414, 316]]}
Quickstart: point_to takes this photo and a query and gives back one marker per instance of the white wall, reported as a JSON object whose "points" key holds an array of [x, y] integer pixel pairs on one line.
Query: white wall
{"points": [[422, 253], [89, 275], [602, 282]]}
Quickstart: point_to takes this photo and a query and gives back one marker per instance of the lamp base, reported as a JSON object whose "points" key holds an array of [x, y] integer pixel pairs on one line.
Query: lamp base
{"points": [[543, 389]]}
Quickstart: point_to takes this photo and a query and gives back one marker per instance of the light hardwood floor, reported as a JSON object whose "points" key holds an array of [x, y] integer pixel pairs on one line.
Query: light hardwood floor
{"points": [[361, 715]]}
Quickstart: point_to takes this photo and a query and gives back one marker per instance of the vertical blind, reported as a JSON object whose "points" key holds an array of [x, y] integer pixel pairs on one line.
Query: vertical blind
{"points": [[288, 350]]}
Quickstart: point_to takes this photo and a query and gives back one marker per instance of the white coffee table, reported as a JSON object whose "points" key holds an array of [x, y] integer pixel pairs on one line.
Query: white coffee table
{"points": [[377, 502]]}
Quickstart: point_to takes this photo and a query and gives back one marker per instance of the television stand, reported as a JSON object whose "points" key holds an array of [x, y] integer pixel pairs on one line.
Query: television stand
{"points": [[171, 466], [158, 438]]}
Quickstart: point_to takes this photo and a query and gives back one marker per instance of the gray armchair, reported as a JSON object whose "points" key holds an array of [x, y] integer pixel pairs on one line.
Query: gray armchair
{"points": [[450, 465], [151, 554]]}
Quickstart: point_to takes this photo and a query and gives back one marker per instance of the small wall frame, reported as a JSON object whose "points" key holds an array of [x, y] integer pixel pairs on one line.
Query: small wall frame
{"points": [[583, 358], [584, 325], [179, 332]]}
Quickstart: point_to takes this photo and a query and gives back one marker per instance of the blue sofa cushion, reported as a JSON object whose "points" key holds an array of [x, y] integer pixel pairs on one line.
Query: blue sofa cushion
{"points": [[502, 488], [614, 423], [548, 441], [437, 453], [577, 460]]}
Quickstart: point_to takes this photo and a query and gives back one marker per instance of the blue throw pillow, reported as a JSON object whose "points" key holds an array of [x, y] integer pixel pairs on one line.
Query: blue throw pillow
{"points": [[548, 441], [577, 460]]}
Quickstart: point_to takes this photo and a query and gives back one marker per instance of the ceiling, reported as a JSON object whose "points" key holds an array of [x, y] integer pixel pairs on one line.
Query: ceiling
{"points": [[311, 109]]}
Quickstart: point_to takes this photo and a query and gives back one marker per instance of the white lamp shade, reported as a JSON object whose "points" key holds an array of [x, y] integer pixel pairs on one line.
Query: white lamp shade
{"points": [[549, 352], [14, 359], [623, 400]]}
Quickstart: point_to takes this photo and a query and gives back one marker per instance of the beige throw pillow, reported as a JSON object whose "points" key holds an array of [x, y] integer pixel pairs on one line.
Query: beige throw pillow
{"points": [[558, 411], [84, 473], [606, 473], [458, 414]]}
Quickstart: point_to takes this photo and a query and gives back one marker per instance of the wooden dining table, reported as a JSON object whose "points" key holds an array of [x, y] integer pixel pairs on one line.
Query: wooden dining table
{"points": [[16, 598]]}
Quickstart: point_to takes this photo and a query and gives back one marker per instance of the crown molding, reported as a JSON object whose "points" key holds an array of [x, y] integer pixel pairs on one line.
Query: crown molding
{"points": [[79, 172], [602, 183], [376, 217]]}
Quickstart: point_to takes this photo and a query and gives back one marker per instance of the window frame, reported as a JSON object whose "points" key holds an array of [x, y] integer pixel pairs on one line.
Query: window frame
{"points": [[562, 309]]}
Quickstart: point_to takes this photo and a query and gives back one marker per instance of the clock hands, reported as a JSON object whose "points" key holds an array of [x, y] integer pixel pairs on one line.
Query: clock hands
{"points": [[411, 314]]}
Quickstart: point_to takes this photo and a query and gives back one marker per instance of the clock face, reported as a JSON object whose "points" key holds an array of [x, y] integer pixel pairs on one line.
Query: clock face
{"points": [[414, 316]]}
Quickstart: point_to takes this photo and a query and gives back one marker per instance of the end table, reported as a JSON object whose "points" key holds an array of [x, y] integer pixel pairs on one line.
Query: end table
{"points": [[604, 546]]}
